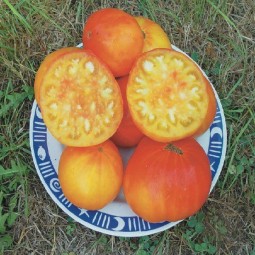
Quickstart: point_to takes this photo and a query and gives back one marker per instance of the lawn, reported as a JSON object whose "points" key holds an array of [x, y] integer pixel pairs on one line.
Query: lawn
{"points": [[219, 36]]}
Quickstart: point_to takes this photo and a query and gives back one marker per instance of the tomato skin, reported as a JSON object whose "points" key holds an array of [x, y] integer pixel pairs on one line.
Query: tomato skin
{"points": [[115, 37], [44, 67], [211, 112], [127, 134], [167, 182], [155, 36], [91, 177]]}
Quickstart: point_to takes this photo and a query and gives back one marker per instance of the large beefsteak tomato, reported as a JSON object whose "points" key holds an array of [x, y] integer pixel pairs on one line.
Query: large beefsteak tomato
{"points": [[167, 181]]}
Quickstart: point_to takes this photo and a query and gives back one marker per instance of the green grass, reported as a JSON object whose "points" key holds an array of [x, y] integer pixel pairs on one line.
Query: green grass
{"points": [[219, 35]]}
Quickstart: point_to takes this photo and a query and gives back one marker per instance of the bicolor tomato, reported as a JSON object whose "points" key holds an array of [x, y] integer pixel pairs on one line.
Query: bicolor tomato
{"points": [[115, 37], [169, 98], [167, 181], [80, 100], [91, 177]]}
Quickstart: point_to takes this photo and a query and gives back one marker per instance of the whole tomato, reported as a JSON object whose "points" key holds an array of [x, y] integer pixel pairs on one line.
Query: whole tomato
{"points": [[115, 37], [127, 134], [167, 181], [91, 177], [154, 35]]}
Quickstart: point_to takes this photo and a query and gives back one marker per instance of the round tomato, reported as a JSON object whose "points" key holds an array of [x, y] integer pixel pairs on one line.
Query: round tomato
{"points": [[115, 37], [154, 35], [44, 67], [127, 134], [167, 181], [80, 100], [91, 177], [168, 96]]}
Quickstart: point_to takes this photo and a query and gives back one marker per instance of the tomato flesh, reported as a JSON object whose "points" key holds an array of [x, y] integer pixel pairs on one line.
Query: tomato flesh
{"points": [[44, 67], [80, 100], [167, 95]]}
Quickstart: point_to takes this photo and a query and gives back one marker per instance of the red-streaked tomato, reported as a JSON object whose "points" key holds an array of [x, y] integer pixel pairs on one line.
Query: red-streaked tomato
{"points": [[91, 177], [80, 100], [169, 98], [44, 67], [127, 134], [167, 181], [115, 37], [154, 35]]}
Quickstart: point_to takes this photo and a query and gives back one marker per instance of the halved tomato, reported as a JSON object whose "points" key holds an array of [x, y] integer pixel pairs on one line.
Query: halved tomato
{"points": [[154, 35], [44, 66], [127, 134], [168, 96], [80, 100]]}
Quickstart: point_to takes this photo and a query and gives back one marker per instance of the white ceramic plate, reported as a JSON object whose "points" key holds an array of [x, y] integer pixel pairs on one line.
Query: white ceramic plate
{"points": [[117, 218]]}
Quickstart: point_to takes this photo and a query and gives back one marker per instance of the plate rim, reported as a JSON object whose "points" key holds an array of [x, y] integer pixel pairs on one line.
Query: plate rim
{"points": [[129, 233]]}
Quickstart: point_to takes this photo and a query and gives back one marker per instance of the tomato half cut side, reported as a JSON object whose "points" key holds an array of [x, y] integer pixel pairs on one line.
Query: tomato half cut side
{"points": [[80, 99], [168, 95], [44, 67]]}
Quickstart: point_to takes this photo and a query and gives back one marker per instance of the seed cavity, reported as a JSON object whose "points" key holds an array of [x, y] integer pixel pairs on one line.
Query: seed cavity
{"points": [[148, 66], [72, 70], [63, 124], [54, 106], [90, 66], [87, 125], [182, 95], [172, 115], [103, 80], [151, 117], [191, 77], [143, 91], [106, 92], [110, 105], [92, 106], [139, 80], [178, 62]]}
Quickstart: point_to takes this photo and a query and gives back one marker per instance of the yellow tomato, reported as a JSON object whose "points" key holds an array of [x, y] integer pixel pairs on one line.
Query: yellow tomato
{"points": [[154, 35]]}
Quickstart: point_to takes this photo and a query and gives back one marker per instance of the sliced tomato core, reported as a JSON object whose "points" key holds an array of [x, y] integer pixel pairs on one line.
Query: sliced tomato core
{"points": [[167, 95], [80, 100]]}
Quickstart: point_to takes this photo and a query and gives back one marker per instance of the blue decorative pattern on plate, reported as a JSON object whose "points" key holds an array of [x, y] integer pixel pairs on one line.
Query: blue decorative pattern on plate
{"points": [[116, 218]]}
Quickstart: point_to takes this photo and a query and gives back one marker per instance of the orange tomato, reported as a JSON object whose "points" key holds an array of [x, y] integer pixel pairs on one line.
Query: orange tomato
{"points": [[167, 181], [154, 35], [127, 134], [91, 177], [115, 37], [80, 100], [44, 67], [168, 96]]}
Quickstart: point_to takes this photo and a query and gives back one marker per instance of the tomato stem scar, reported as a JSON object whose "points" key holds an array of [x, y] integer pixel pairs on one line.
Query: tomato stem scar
{"points": [[173, 148]]}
